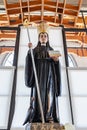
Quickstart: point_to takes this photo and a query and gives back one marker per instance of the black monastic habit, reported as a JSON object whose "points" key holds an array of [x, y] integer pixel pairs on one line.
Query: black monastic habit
{"points": [[48, 73]]}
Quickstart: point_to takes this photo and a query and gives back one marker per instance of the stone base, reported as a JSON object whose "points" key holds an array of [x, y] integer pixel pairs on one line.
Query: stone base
{"points": [[44, 126]]}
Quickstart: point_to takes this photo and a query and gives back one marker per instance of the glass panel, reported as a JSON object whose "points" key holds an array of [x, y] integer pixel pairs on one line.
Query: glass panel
{"points": [[80, 111], [4, 111], [78, 81], [6, 82], [64, 110], [78, 87], [22, 105]]}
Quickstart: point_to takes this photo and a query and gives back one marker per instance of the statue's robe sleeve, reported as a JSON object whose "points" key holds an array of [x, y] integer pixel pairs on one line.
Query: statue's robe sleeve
{"points": [[29, 74]]}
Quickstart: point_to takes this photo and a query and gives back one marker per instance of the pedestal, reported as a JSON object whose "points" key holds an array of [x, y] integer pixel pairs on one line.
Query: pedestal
{"points": [[44, 126]]}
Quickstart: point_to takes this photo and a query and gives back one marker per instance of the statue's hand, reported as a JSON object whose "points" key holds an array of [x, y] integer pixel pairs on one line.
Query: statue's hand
{"points": [[30, 45], [55, 58]]}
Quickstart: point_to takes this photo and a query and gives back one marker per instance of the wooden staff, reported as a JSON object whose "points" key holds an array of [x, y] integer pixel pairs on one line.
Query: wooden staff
{"points": [[36, 80]]}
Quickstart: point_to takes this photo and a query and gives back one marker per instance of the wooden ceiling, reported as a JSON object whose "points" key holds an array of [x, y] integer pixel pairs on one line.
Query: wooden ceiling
{"points": [[55, 12]]}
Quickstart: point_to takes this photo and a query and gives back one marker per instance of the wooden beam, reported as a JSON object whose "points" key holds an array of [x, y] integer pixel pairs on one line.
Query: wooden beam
{"points": [[77, 37], [7, 36]]}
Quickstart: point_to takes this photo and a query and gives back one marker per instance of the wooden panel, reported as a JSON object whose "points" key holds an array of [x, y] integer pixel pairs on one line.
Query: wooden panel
{"points": [[71, 7], [9, 36], [50, 3], [60, 5], [3, 17], [78, 51], [16, 22], [76, 37], [24, 4], [70, 12], [68, 22], [47, 7], [35, 18], [3, 49], [49, 19], [35, 2], [60, 11], [35, 8], [13, 11], [14, 5]]}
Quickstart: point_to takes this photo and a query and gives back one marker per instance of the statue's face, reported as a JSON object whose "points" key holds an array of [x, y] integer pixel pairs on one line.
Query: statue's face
{"points": [[43, 38]]}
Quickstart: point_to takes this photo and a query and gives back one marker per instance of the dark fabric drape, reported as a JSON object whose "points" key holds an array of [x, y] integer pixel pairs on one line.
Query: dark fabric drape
{"points": [[48, 73]]}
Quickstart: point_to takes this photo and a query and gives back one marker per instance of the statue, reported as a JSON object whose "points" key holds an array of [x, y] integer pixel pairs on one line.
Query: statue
{"points": [[48, 74]]}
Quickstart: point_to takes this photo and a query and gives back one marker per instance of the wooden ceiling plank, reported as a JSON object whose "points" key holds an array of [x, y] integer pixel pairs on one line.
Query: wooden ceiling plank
{"points": [[71, 7], [21, 10], [50, 3], [56, 15], [62, 16], [35, 2], [14, 11], [9, 36], [47, 8], [35, 18], [3, 17], [79, 6], [5, 3], [42, 10], [13, 5], [28, 2], [37, 8], [54, 8], [70, 12]]}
